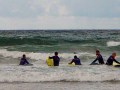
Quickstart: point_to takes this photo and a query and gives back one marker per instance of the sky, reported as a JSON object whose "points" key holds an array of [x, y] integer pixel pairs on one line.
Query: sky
{"points": [[59, 14]]}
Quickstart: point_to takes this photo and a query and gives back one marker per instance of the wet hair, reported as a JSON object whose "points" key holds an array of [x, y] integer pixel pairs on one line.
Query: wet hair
{"points": [[97, 51], [75, 56], [56, 53], [114, 53], [24, 55]]}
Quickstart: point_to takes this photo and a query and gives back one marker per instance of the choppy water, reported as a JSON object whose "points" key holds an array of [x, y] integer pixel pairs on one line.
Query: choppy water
{"points": [[38, 45], [63, 41]]}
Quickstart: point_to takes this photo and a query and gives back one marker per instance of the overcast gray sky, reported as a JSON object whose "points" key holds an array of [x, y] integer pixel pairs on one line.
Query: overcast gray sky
{"points": [[59, 14]]}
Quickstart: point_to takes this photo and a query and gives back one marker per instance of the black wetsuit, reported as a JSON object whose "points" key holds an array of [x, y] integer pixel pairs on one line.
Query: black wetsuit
{"points": [[100, 60], [23, 61], [76, 61], [56, 60], [110, 61]]}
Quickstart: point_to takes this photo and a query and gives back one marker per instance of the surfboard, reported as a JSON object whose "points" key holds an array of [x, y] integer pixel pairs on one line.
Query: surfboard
{"points": [[49, 61], [116, 64], [73, 64]]}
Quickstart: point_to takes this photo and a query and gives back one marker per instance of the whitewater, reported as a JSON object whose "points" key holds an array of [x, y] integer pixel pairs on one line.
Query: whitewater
{"points": [[38, 45]]}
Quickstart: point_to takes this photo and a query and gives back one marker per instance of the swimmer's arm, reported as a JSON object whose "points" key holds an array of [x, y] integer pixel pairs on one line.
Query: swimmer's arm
{"points": [[50, 57], [71, 62], [116, 61], [94, 61], [26, 61]]}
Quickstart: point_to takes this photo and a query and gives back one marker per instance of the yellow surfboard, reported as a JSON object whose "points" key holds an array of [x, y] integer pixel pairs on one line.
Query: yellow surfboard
{"points": [[116, 64], [49, 61], [73, 64]]}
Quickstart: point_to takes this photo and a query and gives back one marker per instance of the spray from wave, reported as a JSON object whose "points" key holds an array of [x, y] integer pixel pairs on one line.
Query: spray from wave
{"points": [[113, 43]]}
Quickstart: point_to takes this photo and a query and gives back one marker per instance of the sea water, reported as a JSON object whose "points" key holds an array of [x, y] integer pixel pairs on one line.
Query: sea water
{"points": [[38, 45]]}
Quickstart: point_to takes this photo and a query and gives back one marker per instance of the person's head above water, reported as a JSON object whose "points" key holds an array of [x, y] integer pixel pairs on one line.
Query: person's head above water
{"points": [[114, 54], [24, 56], [75, 57], [56, 53], [97, 52]]}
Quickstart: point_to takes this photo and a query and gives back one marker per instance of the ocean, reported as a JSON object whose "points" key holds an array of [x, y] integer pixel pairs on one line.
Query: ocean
{"points": [[40, 44]]}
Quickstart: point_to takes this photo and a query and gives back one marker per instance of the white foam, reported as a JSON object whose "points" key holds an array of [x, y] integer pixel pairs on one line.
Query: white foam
{"points": [[64, 73], [112, 43], [40, 56], [41, 72]]}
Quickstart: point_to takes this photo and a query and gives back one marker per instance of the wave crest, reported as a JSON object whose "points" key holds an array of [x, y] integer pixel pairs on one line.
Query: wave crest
{"points": [[113, 43]]}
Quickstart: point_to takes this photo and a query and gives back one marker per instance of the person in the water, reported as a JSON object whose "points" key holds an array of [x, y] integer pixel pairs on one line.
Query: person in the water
{"points": [[56, 59], [111, 59], [76, 60], [99, 58], [23, 60]]}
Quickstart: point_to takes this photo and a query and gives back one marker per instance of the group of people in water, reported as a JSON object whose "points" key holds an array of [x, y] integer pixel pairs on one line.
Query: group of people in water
{"points": [[77, 60], [99, 58]]}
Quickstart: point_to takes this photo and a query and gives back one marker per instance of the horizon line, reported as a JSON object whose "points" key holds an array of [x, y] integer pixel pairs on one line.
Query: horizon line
{"points": [[52, 29]]}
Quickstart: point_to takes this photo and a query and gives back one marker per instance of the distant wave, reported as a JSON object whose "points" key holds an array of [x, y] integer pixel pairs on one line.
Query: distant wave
{"points": [[8, 41], [113, 43], [38, 40], [61, 41]]}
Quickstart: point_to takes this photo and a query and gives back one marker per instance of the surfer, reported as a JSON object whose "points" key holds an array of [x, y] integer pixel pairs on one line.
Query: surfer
{"points": [[56, 59], [111, 59], [24, 60], [76, 60], [99, 58]]}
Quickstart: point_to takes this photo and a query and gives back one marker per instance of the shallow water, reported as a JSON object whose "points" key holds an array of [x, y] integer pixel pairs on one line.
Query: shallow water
{"points": [[61, 86], [43, 73]]}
